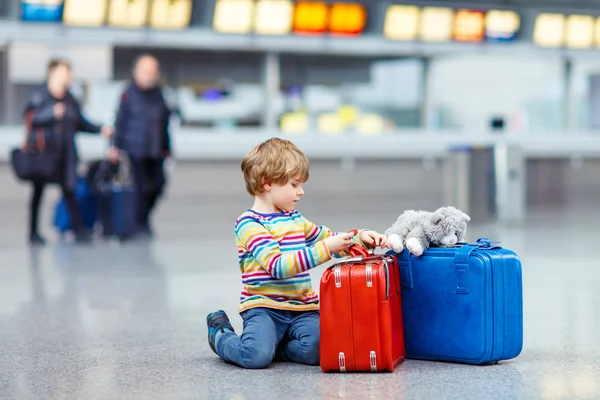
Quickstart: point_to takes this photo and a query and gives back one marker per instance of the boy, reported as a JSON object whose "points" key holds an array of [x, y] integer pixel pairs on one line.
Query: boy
{"points": [[277, 247]]}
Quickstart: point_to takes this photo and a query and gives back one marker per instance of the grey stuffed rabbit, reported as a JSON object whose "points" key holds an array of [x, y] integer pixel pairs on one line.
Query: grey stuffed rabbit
{"points": [[417, 230]]}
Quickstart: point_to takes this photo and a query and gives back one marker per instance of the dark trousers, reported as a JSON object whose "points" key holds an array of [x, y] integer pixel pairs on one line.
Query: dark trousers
{"points": [[149, 179], [34, 210]]}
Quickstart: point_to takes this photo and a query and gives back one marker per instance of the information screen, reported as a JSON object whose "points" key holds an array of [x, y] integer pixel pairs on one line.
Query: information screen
{"points": [[233, 16], [273, 17], [579, 31], [549, 30], [502, 25], [347, 18], [469, 26], [401, 22], [310, 17], [436, 24]]}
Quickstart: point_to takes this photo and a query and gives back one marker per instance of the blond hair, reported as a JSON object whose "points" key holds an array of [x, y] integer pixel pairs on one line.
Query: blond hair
{"points": [[274, 161]]}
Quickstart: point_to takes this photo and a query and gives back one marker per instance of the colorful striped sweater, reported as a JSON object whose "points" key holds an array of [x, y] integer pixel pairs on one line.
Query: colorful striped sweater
{"points": [[275, 253]]}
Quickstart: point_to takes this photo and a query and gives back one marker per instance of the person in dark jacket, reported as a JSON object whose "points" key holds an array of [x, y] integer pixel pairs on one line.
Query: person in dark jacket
{"points": [[55, 111], [142, 131]]}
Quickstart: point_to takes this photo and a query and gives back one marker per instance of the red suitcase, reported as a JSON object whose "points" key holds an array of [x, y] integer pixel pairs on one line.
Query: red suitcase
{"points": [[361, 314]]}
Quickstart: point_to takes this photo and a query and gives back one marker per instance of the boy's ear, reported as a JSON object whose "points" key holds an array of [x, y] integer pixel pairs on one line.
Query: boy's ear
{"points": [[267, 186]]}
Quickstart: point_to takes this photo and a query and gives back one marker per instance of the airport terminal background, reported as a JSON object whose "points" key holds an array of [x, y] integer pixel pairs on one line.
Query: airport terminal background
{"points": [[492, 106]]}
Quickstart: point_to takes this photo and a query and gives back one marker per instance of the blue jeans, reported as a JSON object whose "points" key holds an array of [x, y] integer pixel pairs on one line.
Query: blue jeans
{"points": [[271, 334]]}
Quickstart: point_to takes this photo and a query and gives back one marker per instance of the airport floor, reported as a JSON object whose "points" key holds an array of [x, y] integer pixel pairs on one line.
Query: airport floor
{"points": [[127, 321]]}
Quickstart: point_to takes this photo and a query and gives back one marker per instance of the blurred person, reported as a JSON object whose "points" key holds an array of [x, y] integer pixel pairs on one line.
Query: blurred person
{"points": [[142, 131], [58, 113], [277, 247]]}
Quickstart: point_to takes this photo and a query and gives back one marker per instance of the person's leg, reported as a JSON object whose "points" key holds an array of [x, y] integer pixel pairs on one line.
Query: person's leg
{"points": [[301, 343], [255, 348], [139, 177], [156, 182], [37, 193]]}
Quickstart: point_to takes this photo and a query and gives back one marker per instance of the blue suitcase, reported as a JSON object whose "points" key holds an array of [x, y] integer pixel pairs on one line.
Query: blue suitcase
{"points": [[117, 209], [42, 10], [117, 198], [462, 304], [87, 208]]}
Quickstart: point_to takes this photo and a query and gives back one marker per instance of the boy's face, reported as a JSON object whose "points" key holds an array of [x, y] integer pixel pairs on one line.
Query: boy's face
{"points": [[284, 197]]}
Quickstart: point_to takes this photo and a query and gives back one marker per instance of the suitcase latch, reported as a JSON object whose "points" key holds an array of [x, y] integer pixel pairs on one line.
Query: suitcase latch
{"points": [[337, 277], [373, 359], [342, 361], [369, 274]]}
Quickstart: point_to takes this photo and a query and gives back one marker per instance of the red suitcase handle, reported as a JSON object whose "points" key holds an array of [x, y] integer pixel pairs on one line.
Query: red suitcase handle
{"points": [[356, 249]]}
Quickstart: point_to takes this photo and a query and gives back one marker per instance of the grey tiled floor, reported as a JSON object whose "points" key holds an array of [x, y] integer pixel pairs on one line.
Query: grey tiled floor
{"points": [[127, 322]]}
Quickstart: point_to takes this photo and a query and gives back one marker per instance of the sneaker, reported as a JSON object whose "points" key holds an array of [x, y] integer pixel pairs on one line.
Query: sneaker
{"points": [[218, 322]]}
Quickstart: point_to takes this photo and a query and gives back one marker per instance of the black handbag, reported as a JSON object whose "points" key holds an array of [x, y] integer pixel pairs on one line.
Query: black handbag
{"points": [[34, 161]]}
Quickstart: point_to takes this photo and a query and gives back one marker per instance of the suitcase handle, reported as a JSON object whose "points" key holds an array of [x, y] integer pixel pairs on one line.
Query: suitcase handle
{"points": [[357, 250]]}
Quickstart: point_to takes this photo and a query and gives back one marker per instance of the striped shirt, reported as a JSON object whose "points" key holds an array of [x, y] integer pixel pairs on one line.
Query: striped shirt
{"points": [[275, 253]]}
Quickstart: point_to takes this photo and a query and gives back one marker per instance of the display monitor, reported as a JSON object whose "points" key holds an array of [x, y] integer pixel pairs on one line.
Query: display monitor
{"points": [[347, 18], [401, 22], [579, 31], [273, 17], [310, 17], [436, 24], [549, 30], [233, 16], [469, 25], [502, 25]]}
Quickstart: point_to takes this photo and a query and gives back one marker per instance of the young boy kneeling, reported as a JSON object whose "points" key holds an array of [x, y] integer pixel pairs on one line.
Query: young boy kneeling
{"points": [[277, 247]]}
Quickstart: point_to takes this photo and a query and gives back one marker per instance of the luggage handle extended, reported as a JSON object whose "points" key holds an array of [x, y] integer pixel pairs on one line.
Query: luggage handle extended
{"points": [[461, 265]]}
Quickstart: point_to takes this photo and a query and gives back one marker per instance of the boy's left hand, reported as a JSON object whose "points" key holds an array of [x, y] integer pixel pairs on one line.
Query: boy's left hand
{"points": [[373, 238]]}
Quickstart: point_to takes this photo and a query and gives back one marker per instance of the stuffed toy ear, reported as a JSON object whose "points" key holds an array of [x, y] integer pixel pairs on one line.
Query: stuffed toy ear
{"points": [[436, 218], [466, 217]]}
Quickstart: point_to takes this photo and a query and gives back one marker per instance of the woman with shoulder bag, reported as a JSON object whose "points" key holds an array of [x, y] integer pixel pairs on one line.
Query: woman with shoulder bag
{"points": [[56, 113]]}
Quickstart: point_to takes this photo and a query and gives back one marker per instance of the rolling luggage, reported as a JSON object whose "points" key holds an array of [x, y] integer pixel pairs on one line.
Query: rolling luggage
{"points": [[41, 10], [361, 314], [170, 14], [117, 208], [462, 304], [85, 13], [86, 202]]}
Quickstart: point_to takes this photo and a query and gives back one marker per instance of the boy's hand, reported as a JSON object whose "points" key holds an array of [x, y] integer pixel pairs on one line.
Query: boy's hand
{"points": [[339, 243], [373, 238]]}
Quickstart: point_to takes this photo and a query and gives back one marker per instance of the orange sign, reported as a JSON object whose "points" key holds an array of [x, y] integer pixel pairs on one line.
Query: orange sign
{"points": [[347, 18], [310, 17], [469, 26]]}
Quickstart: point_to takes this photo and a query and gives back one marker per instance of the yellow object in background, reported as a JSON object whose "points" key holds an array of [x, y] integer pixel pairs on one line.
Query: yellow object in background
{"points": [[294, 123], [401, 22], [579, 31], [502, 24], [348, 114], [330, 124], [88, 13], [549, 30], [435, 24], [128, 13], [370, 125], [233, 16], [171, 14], [347, 18], [469, 26], [273, 17], [310, 17]]}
